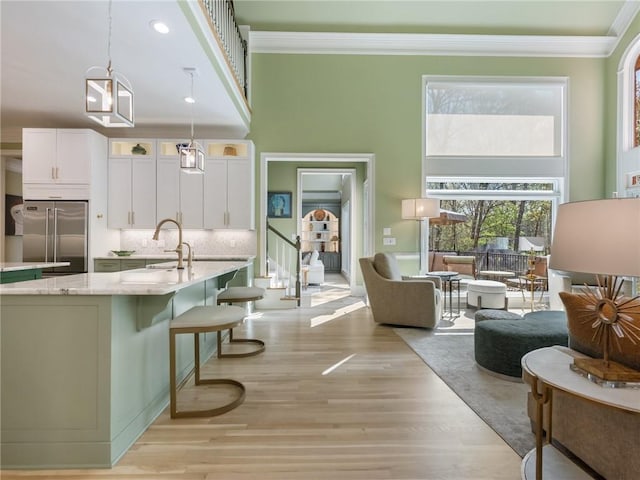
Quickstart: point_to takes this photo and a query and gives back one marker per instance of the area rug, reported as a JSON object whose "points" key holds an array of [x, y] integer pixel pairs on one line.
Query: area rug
{"points": [[500, 403]]}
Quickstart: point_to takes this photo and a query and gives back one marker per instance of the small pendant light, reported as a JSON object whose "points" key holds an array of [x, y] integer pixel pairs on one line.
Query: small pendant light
{"points": [[191, 154]]}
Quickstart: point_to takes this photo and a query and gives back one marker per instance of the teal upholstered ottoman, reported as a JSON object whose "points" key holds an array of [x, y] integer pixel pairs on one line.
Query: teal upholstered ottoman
{"points": [[491, 314], [501, 344]]}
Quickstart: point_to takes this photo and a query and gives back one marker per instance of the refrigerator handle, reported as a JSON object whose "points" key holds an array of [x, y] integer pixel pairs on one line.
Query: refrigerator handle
{"points": [[55, 234], [46, 234]]}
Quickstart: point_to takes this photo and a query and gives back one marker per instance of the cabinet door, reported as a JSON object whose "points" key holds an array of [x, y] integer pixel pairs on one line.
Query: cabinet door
{"points": [[119, 201], [215, 193], [168, 189], [38, 155], [191, 185], [73, 158], [106, 265], [240, 194], [143, 192]]}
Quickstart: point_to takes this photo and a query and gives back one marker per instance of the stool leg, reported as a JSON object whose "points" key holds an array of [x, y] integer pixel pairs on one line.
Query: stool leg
{"points": [[198, 381], [259, 349]]}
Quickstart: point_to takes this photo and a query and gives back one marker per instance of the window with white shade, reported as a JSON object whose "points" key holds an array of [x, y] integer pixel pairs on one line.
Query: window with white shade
{"points": [[489, 118]]}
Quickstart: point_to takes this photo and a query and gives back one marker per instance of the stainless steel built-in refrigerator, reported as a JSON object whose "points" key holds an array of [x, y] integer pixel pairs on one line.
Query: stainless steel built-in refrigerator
{"points": [[56, 231]]}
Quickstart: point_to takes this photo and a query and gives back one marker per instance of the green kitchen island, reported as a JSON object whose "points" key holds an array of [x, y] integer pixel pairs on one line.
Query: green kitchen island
{"points": [[85, 359], [21, 271]]}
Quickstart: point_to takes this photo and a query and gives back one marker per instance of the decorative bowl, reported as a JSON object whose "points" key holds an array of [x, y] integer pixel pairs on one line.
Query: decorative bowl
{"points": [[123, 253]]}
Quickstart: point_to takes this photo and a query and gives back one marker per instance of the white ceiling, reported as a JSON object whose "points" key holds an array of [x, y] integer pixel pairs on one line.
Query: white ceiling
{"points": [[47, 46]]}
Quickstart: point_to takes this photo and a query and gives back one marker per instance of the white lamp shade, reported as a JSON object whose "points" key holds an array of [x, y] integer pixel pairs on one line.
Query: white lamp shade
{"points": [[419, 208], [109, 100], [598, 236]]}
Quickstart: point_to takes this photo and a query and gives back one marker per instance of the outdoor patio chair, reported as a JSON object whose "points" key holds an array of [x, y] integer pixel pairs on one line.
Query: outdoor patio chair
{"points": [[465, 265]]}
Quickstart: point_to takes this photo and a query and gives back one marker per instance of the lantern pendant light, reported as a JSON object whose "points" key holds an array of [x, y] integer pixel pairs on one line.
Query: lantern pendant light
{"points": [[191, 154], [108, 95]]}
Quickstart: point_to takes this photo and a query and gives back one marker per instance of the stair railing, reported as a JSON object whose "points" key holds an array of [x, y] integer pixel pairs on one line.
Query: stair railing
{"points": [[282, 254], [226, 29]]}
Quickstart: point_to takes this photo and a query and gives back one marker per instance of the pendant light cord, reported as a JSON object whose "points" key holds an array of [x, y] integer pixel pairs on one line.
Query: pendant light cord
{"points": [[109, 70], [193, 98]]}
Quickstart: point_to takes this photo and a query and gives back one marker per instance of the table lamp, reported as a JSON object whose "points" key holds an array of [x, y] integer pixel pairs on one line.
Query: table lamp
{"points": [[420, 209], [602, 237]]}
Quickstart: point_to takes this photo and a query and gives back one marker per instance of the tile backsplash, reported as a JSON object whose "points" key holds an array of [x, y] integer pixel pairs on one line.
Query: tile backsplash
{"points": [[203, 242]]}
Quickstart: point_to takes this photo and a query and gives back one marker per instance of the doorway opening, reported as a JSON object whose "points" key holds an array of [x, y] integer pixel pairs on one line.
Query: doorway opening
{"points": [[361, 225], [329, 192]]}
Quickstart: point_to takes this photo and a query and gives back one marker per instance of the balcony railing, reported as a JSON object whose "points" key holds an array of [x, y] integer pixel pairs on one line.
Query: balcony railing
{"points": [[517, 263], [222, 16]]}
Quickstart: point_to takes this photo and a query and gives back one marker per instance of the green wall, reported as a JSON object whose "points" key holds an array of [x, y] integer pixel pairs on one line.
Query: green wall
{"points": [[372, 104]]}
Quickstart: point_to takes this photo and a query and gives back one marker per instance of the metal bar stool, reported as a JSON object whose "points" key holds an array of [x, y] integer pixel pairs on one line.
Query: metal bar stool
{"points": [[201, 320], [240, 295]]}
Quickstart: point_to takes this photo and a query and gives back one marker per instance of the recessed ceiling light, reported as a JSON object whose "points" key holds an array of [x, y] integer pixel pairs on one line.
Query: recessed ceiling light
{"points": [[159, 26], [189, 99]]}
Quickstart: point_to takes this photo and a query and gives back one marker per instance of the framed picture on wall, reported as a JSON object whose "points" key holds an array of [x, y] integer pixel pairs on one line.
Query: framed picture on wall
{"points": [[279, 204], [13, 215]]}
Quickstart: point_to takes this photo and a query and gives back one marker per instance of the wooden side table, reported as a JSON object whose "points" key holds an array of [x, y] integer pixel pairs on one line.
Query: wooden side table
{"points": [[545, 370]]}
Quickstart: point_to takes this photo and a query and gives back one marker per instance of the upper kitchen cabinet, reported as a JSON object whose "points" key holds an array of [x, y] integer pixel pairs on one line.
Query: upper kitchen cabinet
{"points": [[229, 185], [132, 183], [57, 163], [178, 194]]}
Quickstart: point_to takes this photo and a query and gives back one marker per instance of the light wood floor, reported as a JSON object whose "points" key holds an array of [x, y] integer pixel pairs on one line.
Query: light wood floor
{"points": [[381, 414]]}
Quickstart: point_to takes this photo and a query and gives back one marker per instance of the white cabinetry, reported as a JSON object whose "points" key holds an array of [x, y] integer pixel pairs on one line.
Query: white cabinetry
{"points": [[132, 184], [179, 195], [229, 185], [56, 163]]}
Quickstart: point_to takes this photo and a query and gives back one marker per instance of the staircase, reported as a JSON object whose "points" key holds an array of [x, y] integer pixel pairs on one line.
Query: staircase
{"points": [[282, 282], [276, 295]]}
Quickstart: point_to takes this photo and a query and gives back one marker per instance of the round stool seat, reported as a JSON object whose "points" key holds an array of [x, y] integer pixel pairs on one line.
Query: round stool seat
{"points": [[486, 294], [208, 319], [492, 314], [240, 294], [499, 345]]}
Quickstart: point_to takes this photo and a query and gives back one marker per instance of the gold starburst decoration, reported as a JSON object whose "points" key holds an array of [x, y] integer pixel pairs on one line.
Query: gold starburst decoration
{"points": [[611, 315]]}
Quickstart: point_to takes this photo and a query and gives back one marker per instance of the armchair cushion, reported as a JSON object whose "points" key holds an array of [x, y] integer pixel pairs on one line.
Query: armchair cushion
{"points": [[387, 266], [465, 265]]}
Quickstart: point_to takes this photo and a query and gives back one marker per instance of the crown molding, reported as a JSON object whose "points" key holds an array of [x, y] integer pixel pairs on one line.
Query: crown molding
{"points": [[431, 44], [624, 18]]}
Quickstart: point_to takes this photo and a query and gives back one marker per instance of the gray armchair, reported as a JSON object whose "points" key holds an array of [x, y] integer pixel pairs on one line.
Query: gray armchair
{"points": [[399, 300]]}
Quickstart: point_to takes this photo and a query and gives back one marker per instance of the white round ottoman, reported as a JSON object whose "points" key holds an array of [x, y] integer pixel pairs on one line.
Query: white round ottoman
{"points": [[486, 294]]}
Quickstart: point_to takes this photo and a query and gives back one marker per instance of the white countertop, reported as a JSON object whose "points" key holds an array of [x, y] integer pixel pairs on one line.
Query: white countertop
{"points": [[15, 266], [173, 256], [141, 281]]}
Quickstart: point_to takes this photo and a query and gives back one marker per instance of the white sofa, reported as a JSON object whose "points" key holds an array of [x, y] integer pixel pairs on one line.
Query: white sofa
{"points": [[573, 282], [315, 268]]}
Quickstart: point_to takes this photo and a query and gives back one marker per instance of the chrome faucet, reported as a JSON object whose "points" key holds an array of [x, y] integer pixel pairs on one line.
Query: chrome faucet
{"points": [[189, 255], [178, 249]]}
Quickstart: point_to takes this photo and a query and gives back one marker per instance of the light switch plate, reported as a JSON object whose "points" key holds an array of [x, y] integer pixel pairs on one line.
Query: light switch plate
{"points": [[389, 241], [386, 231]]}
